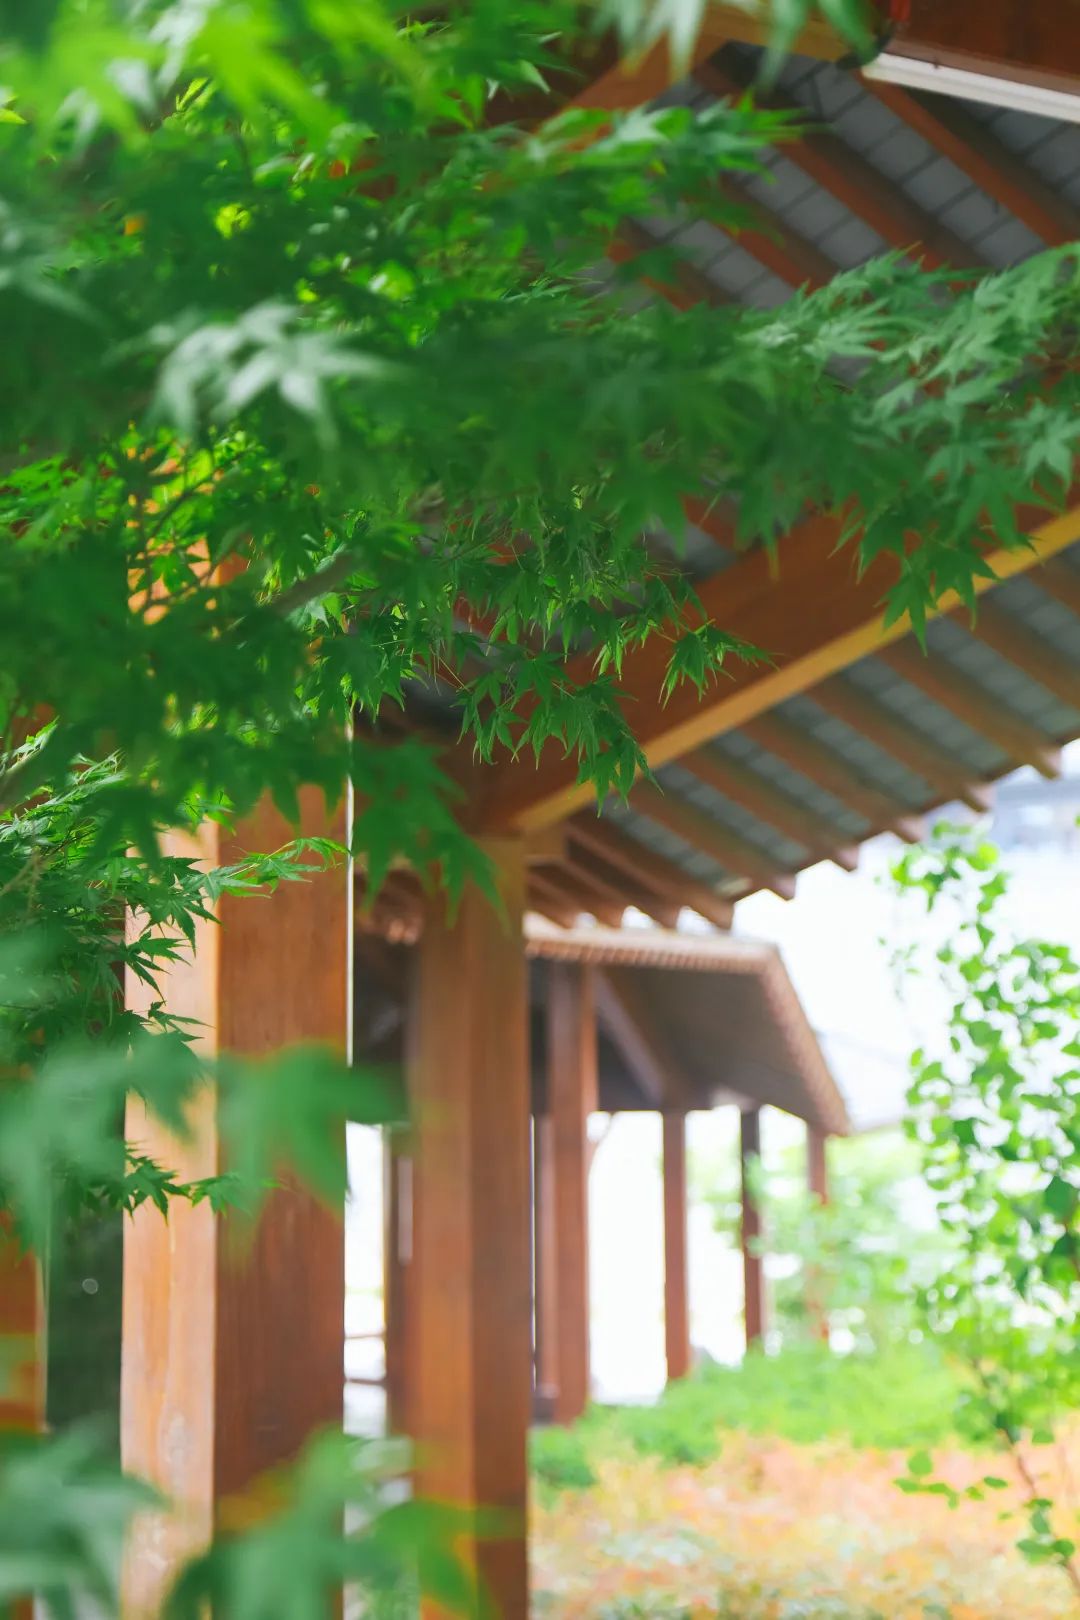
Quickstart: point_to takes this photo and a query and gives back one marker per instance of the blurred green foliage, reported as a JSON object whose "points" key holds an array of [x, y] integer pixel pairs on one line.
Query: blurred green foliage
{"points": [[995, 1112], [860, 1257], [903, 1395]]}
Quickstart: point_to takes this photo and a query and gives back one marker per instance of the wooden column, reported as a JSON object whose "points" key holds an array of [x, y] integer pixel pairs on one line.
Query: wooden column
{"points": [[817, 1168], [471, 1286], [233, 1341], [572, 1090], [22, 1354], [676, 1281], [545, 1275], [753, 1277], [22, 1336], [397, 1257], [817, 1181]]}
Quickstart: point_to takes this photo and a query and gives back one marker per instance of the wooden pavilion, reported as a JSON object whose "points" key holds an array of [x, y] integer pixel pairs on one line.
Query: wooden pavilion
{"points": [[625, 1020], [230, 1358]]}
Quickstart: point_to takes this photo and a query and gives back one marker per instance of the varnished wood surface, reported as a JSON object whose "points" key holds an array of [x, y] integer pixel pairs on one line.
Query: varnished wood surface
{"points": [[572, 1090], [753, 1272], [233, 1339], [471, 1285], [676, 1270]]}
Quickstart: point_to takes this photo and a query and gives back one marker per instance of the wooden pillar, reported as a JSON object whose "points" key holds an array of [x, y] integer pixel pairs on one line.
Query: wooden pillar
{"points": [[817, 1181], [817, 1167], [676, 1281], [22, 1336], [753, 1277], [22, 1354], [572, 1090], [397, 1257], [233, 1341], [471, 1291], [545, 1276]]}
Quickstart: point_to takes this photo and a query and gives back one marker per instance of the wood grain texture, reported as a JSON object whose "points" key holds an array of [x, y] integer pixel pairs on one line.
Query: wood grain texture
{"points": [[471, 1285], [676, 1270], [233, 1340]]}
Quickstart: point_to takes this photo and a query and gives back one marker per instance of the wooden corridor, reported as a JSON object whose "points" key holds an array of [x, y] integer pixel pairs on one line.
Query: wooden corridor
{"points": [[232, 1354]]}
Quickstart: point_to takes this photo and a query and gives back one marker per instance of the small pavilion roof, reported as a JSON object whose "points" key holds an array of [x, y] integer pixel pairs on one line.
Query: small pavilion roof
{"points": [[692, 1020], [685, 1020]]}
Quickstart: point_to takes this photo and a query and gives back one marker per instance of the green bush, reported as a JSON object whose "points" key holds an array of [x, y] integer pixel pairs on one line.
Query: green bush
{"points": [[559, 1458], [901, 1397]]}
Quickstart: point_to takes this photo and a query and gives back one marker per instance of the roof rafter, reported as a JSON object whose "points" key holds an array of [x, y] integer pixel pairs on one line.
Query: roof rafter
{"points": [[774, 243], [818, 617], [848, 177], [1026, 651], [552, 901], [760, 798], [644, 865], [735, 854], [582, 892], [618, 889], [945, 684], [805, 754], [902, 742], [1058, 580], [691, 285], [986, 160]]}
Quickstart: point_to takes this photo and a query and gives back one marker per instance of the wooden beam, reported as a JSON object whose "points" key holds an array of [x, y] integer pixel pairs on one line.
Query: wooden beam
{"points": [[775, 244], [716, 518], [546, 847], [674, 886], [963, 697], [690, 286], [817, 1168], [754, 794], [551, 902], [819, 616], [753, 1270], [1030, 41], [849, 703], [471, 1288], [848, 177], [397, 1255], [1026, 651], [575, 898], [617, 890], [631, 1024], [22, 1336], [572, 1094], [698, 830], [22, 1356], [820, 765], [1058, 580], [817, 1182], [676, 1269], [596, 896], [545, 1268], [232, 1340], [986, 160]]}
